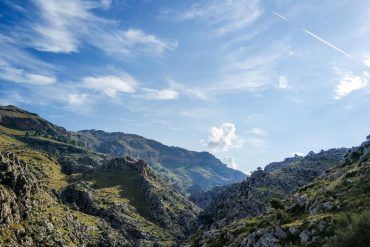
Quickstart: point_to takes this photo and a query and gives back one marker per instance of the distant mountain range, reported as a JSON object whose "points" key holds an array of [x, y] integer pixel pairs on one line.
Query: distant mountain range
{"points": [[92, 188], [185, 170]]}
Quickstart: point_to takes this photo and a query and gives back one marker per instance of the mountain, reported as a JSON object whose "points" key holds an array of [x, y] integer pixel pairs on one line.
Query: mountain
{"points": [[250, 197], [55, 193], [288, 204], [185, 170], [62, 188]]}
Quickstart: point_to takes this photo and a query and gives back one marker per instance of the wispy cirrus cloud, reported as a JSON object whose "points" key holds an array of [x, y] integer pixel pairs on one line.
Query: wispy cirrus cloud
{"points": [[132, 42], [61, 25], [160, 94], [19, 66], [254, 117], [13, 98], [77, 100], [257, 131], [17, 75], [256, 142], [223, 16], [239, 72], [105, 4], [65, 26]]}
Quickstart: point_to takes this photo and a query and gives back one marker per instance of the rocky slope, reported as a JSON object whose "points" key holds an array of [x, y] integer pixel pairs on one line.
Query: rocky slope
{"points": [[250, 197], [185, 170], [61, 188], [332, 209], [55, 193]]}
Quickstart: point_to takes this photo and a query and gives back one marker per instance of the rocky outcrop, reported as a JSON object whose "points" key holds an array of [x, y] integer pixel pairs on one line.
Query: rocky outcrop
{"points": [[150, 198], [17, 188], [166, 206], [80, 195], [267, 237]]}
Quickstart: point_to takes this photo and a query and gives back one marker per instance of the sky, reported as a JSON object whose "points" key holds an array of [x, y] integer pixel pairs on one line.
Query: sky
{"points": [[250, 81]]}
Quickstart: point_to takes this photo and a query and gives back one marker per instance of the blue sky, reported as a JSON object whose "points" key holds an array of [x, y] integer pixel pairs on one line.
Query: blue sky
{"points": [[250, 81]]}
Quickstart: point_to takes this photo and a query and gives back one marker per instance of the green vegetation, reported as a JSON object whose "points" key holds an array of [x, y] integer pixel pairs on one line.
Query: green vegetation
{"points": [[61, 193], [113, 209], [124, 182], [353, 230]]}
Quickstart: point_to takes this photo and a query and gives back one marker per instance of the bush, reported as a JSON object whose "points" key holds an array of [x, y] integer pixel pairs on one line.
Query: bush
{"points": [[276, 203], [354, 230]]}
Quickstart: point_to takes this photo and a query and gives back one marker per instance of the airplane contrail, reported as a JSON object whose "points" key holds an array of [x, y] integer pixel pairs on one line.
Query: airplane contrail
{"points": [[282, 17], [326, 42]]}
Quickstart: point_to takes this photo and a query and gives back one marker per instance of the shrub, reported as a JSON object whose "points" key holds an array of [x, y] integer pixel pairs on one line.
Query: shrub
{"points": [[353, 230], [276, 203]]}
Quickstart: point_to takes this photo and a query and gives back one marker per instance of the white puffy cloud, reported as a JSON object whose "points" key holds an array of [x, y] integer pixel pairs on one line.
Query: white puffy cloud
{"points": [[223, 138], [348, 84], [282, 83], [230, 162], [223, 16], [163, 94], [111, 85]]}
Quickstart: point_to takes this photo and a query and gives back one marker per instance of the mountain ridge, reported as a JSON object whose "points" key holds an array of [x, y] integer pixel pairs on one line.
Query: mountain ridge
{"points": [[187, 171], [332, 209], [56, 192]]}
